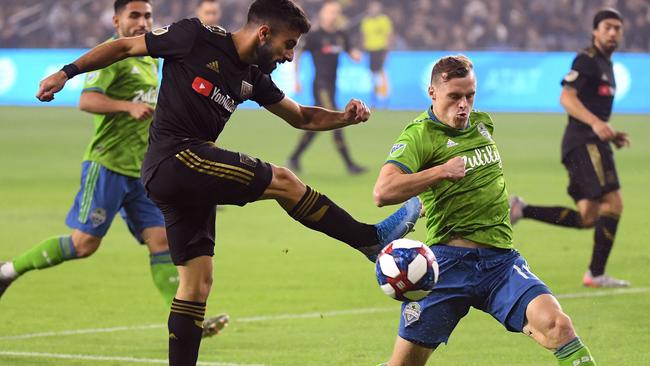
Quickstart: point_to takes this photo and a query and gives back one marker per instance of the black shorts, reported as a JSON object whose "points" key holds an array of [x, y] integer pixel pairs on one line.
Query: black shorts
{"points": [[592, 172], [188, 186], [377, 59], [325, 94]]}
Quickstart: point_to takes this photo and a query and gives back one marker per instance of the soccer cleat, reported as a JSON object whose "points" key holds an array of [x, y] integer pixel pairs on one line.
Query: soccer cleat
{"points": [[517, 206], [603, 281], [354, 169], [213, 326], [394, 227], [293, 165], [4, 281]]}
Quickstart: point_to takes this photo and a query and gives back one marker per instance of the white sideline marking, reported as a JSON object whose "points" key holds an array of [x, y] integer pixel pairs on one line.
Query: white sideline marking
{"points": [[578, 295], [107, 358]]}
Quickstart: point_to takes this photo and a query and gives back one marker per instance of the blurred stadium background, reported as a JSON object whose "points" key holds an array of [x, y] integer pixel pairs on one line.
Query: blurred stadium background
{"points": [[295, 297]]}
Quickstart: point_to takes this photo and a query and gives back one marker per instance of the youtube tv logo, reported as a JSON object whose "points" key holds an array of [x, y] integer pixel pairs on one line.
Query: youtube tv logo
{"points": [[202, 86]]}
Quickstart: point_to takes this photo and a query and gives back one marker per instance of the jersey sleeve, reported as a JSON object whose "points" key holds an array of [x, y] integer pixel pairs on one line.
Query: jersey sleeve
{"points": [[582, 69], [265, 92], [407, 152], [99, 80], [173, 41]]}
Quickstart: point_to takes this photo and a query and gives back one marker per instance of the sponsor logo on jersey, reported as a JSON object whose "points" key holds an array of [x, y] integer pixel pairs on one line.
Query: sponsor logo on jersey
{"points": [[411, 313], [202, 86], [604, 77], [98, 217], [135, 70], [246, 90], [397, 150], [160, 31], [482, 156], [484, 131], [571, 76], [148, 96], [214, 66], [451, 143], [605, 90], [207, 89]]}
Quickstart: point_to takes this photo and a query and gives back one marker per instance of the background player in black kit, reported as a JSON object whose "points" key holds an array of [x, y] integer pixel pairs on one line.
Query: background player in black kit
{"points": [[207, 73], [587, 97], [325, 45]]}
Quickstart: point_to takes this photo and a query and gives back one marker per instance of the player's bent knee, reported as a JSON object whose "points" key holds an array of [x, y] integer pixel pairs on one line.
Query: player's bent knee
{"points": [[85, 245], [285, 181], [559, 331]]}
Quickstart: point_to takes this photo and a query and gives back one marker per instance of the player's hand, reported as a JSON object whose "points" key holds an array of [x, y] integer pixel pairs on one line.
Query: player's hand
{"points": [[604, 131], [356, 55], [51, 85], [356, 111], [140, 111], [454, 169], [621, 139]]}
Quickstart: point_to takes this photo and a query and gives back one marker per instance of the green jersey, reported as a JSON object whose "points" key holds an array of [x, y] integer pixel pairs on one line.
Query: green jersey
{"points": [[475, 207], [120, 140]]}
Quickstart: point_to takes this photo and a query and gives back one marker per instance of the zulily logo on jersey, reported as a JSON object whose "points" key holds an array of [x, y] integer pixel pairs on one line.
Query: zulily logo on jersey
{"points": [[207, 89], [483, 156]]}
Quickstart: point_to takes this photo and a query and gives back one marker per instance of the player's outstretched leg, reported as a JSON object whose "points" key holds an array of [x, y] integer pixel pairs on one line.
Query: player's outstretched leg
{"points": [[48, 253], [318, 212], [561, 216], [553, 330]]}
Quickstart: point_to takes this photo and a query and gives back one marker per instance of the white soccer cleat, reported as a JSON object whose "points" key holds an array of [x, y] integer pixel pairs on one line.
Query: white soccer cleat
{"points": [[517, 206], [603, 281]]}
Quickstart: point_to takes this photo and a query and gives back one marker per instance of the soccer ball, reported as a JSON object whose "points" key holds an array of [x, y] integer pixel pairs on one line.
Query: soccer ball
{"points": [[407, 270]]}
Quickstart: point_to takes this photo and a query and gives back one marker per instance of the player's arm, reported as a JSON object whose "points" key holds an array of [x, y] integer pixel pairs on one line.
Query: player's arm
{"points": [[317, 118], [394, 185], [99, 103], [574, 107], [97, 58]]}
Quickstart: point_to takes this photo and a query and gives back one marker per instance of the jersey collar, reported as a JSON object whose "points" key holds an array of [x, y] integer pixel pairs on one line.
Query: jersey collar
{"points": [[436, 120]]}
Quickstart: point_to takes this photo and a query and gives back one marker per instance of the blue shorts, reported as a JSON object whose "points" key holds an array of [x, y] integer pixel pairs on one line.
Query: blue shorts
{"points": [[496, 281], [103, 194]]}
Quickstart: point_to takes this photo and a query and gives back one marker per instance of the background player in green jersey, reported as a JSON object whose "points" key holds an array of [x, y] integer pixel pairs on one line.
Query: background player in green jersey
{"points": [[122, 97], [448, 157]]}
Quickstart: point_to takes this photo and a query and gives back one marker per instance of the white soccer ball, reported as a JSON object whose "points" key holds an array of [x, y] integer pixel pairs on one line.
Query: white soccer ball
{"points": [[407, 270]]}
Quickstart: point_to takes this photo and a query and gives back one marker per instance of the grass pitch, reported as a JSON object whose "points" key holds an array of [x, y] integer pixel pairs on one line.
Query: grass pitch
{"points": [[296, 297]]}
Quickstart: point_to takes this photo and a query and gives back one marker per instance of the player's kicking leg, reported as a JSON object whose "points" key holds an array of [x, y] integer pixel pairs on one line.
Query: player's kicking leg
{"points": [[318, 212]]}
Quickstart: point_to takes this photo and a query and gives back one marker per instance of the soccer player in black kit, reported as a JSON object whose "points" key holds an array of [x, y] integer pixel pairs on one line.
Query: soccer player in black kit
{"points": [[325, 45], [587, 96], [207, 73]]}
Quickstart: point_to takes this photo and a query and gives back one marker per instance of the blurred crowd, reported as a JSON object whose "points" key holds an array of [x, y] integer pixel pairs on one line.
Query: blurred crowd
{"points": [[535, 25]]}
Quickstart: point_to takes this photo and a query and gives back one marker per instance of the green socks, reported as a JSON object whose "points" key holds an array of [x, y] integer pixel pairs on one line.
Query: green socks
{"points": [[165, 275], [574, 353], [47, 253]]}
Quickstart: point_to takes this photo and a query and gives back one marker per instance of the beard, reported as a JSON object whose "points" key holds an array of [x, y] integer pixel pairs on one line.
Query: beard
{"points": [[265, 60]]}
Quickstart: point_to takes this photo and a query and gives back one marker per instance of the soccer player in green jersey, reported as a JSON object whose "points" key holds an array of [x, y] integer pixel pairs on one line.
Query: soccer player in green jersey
{"points": [[448, 157], [122, 96]]}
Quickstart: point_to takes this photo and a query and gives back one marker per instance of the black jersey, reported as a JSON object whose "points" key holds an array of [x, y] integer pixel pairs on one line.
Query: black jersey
{"points": [[592, 75], [325, 48], [203, 83]]}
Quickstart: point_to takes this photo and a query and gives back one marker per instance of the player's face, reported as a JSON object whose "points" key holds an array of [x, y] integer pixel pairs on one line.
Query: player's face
{"points": [[209, 13], [134, 20], [276, 48], [330, 14], [608, 35], [453, 100]]}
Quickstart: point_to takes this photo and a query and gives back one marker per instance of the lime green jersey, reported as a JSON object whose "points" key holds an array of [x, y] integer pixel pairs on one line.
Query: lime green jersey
{"points": [[475, 207], [120, 140]]}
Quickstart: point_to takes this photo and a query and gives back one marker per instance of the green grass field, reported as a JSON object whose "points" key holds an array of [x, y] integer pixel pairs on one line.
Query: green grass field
{"points": [[298, 298]]}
